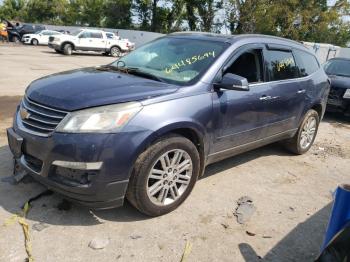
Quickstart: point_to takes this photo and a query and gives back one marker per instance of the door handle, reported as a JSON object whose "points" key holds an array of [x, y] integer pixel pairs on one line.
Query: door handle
{"points": [[265, 98], [301, 91]]}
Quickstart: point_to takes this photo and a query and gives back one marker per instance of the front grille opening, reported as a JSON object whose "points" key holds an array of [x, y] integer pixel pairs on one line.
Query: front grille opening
{"points": [[72, 177], [336, 93], [38, 118], [34, 163]]}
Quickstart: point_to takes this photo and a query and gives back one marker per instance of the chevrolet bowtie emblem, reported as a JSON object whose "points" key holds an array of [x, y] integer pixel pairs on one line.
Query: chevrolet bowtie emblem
{"points": [[24, 113]]}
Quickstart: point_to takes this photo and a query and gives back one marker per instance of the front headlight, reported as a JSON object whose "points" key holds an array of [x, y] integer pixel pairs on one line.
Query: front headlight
{"points": [[104, 119]]}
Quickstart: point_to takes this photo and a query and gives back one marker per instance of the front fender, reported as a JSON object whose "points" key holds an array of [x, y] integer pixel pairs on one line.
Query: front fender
{"points": [[193, 113], [172, 127]]}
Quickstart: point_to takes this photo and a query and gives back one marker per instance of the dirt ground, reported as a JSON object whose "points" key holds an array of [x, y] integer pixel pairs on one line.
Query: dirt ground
{"points": [[292, 195]]}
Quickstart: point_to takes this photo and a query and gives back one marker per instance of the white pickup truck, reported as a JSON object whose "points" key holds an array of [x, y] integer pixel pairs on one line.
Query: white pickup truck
{"points": [[91, 40]]}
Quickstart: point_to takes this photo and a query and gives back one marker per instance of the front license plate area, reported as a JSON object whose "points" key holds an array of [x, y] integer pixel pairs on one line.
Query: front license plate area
{"points": [[15, 142]]}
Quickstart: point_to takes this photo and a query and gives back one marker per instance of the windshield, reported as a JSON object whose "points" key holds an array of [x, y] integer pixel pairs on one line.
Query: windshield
{"points": [[174, 60], [338, 67], [76, 32]]}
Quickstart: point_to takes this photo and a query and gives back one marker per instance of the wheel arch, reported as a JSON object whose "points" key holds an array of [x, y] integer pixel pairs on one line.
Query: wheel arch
{"points": [[319, 109], [67, 42], [192, 131], [115, 46]]}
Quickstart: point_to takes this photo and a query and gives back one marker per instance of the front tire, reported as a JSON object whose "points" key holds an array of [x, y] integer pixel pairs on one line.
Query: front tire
{"points": [[35, 42], [164, 175], [68, 49], [16, 39], [306, 134]]}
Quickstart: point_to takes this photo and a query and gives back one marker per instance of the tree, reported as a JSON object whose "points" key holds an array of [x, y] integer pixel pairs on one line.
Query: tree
{"points": [[38, 11], [118, 14], [207, 10], [12, 9], [143, 13], [307, 20]]}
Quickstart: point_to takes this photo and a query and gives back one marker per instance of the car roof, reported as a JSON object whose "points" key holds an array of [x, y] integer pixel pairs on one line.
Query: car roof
{"points": [[257, 38], [91, 30]]}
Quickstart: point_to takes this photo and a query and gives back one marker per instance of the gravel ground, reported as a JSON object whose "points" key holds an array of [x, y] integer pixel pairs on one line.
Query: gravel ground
{"points": [[291, 194]]}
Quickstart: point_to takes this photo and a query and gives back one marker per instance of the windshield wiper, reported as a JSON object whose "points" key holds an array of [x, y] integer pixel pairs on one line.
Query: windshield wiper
{"points": [[137, 71], [130, 70], [343, 75], [108, 67]]}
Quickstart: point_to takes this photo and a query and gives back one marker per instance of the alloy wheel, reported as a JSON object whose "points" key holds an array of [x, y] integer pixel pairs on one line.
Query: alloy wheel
{"points": [[169, 177], [308, 132], [115, 52]]}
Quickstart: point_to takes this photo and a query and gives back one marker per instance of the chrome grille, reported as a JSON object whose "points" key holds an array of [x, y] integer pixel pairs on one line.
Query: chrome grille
{"points": [[38, 118]]}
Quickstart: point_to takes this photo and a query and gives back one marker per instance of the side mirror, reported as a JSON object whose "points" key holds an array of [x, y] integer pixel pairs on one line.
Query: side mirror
{"points": [[233, 82]]}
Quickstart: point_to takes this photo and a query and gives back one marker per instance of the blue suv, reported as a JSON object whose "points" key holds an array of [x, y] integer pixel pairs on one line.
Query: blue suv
{"points": [[146, 126]]}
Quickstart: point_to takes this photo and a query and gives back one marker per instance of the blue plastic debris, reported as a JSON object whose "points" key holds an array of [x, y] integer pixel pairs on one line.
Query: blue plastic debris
{"points": [[340, 214]]}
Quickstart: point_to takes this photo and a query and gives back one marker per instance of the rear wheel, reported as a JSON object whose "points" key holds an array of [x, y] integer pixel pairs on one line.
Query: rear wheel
{"points": [[35, 42], [306, 134], [67, 49], [16, 39], [164, 175], [115, 51]]}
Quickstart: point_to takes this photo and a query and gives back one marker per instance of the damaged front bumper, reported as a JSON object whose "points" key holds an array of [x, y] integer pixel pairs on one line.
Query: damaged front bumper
{"points": [[339, 100], [76, 169]]}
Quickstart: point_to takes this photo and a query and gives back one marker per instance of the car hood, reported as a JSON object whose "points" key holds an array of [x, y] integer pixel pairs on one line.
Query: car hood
{"points": [[340, 81], [30, 35], [90, 87], [64, 37]]}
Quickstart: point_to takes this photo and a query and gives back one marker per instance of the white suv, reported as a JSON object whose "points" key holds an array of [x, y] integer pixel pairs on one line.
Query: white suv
{"points": [[91, 40], [39, 38]]}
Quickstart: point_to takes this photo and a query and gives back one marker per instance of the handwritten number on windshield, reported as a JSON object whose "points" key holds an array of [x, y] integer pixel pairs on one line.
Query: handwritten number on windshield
{"points": [[189, 61]]}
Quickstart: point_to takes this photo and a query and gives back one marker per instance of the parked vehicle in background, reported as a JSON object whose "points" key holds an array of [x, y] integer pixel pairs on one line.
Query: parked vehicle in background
{"points": [[125, 41], [90, 40], [146, 126], [39, 38], [64, 31], [16, 32], [338, 70]]}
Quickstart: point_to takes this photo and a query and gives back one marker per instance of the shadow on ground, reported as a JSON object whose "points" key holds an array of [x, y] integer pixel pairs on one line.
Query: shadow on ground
{"points": [[303, 243]]}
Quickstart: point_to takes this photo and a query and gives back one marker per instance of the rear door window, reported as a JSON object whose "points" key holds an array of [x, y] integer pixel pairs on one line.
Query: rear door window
{"points": [[109, 35], [307, 63], [281, 65], [96, 35]]}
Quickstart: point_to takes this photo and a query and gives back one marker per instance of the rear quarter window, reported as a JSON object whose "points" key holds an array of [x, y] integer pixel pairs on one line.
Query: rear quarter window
{"points": [[281, 65], [307, 63]]}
